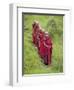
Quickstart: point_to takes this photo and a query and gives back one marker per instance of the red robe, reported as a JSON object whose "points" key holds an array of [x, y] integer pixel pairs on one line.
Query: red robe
{"points": [[41, 47], [44, 44], [48, 50], [40, 36], [35, 34]]}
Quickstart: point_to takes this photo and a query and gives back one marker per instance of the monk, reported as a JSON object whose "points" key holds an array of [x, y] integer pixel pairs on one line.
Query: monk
{"points": [[48, 49], [40, 36], [41, 48], [36, 28]]}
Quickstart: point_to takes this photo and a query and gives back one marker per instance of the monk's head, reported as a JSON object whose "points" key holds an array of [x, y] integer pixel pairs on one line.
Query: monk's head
{"points": [[46, 35], [35, 25]]}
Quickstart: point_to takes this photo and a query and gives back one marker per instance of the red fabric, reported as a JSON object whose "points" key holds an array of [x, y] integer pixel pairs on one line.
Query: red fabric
{"points": [[41, 48], [44, 44], [48, 49], [35, 33], [40, 38]]}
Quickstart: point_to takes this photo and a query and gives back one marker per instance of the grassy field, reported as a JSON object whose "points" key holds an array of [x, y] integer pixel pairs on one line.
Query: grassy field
{"points": [[32, 61]]}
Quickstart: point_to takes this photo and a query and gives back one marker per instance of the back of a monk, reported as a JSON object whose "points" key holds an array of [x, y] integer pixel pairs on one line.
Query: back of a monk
{"points": [[48, 49]]}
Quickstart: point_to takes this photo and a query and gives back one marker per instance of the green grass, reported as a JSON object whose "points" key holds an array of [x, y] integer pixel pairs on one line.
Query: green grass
{"points": [[33, 64]]}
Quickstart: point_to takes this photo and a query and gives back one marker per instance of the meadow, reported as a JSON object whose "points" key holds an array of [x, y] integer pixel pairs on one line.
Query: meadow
{"points": [[33, 64]]}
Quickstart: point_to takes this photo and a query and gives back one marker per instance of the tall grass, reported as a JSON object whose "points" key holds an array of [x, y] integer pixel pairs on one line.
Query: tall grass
{"points": [[33, 64]]}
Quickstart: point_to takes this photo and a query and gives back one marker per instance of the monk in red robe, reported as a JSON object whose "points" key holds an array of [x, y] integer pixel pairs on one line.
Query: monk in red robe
{"points": [[40, 36], [48, 49], [34, 30], [41, 44]]}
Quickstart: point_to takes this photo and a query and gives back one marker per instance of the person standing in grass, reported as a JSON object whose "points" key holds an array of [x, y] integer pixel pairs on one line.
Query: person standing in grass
{"points": [[36, 28], [40, 36], [40, 40], [48, 49]]}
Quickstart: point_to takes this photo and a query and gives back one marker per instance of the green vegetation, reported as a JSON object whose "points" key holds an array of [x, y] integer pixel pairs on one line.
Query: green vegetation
{"points": [[33, 64]]}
